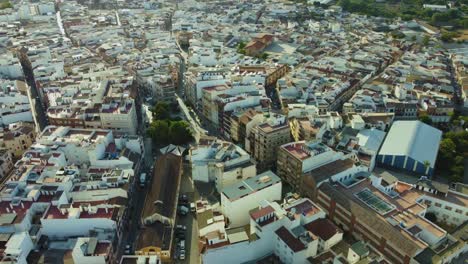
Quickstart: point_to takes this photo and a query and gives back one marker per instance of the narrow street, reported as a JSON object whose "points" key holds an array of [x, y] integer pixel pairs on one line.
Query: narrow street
{"points": [[190, 221], [39, 111]]}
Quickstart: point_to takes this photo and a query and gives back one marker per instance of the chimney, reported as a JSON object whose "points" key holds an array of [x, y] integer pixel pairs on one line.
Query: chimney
{"points": [[22, 205], [8, 209]]}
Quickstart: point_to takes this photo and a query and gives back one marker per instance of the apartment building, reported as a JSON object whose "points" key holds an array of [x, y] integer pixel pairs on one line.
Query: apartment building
{"points": [[294, 230], [118, 114], [298, 158], [18, 138], [10, 67], [196, 80], [6, 163], [390, 215], [241, 197], [265, 138], [240, 121], [220, 102], [94, 147], [59, 192], [15, 102], [220, 162]]}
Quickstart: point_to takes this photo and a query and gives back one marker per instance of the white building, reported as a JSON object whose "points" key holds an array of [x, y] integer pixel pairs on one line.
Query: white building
{"points": [[293, 231], [220, 162], [10, 67], [18, 247], [90, 250], [93, 147], [238, 199]]}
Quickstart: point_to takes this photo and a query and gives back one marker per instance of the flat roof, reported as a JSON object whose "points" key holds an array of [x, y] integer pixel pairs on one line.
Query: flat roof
{"points": [[250, 185], [6, 219], [374, 202]]}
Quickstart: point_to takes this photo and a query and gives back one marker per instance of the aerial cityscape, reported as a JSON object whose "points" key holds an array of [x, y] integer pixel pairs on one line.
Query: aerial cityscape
{"points": [[233, 131]]}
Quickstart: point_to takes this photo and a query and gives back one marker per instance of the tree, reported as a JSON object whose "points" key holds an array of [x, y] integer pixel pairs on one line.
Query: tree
{"points": [[426, 40], [425, 119], [180, 132], [5, 5], [448, 36], [159, 131], [452, 153], [161, 111], [427, 165]]}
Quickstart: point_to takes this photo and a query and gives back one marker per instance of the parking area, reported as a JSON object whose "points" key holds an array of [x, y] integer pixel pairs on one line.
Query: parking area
{"points": [[190, 234]]}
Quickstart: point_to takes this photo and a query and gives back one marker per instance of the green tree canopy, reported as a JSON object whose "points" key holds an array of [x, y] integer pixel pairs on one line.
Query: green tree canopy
{"points": [[453, 151], [425, 119], [180, 132], [161, 111], [159, 131]]}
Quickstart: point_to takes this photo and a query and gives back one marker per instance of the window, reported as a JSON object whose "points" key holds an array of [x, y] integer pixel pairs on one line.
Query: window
{"points": [[438, 205], [458, 211], [448, 208]]}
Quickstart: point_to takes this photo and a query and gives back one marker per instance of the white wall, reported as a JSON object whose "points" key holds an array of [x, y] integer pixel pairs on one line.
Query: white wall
{"points": [[200, 172], [447, 211], [238, 210], [245, 251], [16, 117], [332, 241], [62, 228], [235, 175]]}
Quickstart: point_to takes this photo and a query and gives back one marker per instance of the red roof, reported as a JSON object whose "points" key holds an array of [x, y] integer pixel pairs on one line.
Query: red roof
{"points": [[293, 243], [262, 212], [323, 228]]}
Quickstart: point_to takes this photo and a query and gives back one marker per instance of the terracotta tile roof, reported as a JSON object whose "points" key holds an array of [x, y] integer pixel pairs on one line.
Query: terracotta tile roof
{"points": [[323, 228], [261, 212], [293, 243]]}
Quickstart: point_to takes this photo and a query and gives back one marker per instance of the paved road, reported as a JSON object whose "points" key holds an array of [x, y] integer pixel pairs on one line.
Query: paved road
{"points": [[190, 221], [136, 202], [39, 110]]}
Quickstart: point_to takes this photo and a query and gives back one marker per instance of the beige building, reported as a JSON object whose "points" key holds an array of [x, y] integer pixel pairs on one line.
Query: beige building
{"points": [[304, 129], [266, 138], [6, 162], [119, 114], [19, 138], [296, 159]]}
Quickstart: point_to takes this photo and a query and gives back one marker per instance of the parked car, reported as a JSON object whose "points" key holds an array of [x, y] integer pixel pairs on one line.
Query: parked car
{"points": [[182, 210], [182, 244], [183, 198], [128, 249]]}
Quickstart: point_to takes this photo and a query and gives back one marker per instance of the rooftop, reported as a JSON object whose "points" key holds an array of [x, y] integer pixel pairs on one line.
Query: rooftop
{"points": [[293, 243], [250, 185], [414, 139], [303, 150]]}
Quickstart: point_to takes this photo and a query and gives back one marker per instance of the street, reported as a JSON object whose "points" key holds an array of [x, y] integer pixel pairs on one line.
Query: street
{"points": [[187, 187], [38, 110], [136, 201]]}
